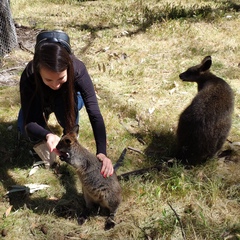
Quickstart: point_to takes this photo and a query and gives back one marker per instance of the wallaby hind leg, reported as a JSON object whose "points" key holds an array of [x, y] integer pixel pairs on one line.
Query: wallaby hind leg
{"points": [[82, 218], [87, 211], [110, 223], [112, 209]]}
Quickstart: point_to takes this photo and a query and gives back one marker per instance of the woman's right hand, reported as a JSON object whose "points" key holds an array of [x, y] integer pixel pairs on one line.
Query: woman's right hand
{"points": [[107, 167], [52, 141]]}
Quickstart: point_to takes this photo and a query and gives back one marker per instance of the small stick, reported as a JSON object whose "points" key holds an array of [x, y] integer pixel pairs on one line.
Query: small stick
{"points": [[11, 69], [139, 172], [136, 150], [179, 220], [24, 48]]}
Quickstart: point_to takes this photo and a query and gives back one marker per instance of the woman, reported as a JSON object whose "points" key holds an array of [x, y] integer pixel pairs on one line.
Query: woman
{"points": [[56, 81]]}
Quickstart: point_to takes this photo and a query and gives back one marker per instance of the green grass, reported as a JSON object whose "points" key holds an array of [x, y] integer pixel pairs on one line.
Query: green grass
{"points": [[134, 52]]}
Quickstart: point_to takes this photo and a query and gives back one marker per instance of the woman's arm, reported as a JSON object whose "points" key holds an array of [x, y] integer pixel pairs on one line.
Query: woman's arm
{"points": [[85, 86], [31, 106]]}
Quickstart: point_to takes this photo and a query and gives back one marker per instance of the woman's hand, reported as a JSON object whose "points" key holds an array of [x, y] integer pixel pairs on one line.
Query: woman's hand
{"points": [[52, 141], [107, 167]]}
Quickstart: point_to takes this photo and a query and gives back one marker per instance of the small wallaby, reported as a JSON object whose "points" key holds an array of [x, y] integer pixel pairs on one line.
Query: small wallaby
{"points": [[205, 124], [97, 190]]}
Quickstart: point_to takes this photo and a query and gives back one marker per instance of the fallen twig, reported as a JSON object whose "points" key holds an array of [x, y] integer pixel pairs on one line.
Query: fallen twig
{"points": [[11, 69], [24, 48], [140, 171], [179, 220], [136, 150]]}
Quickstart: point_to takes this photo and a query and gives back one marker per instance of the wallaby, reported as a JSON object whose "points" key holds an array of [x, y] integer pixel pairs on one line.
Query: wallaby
{"points": [[205, 124], [97, 190]]}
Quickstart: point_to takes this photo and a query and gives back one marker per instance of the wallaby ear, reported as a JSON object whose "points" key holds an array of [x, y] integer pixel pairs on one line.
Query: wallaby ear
{"points": [[76, 129], [206, 64]]}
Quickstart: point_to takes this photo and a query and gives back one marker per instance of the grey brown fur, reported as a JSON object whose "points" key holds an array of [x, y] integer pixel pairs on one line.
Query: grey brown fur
{"points": [[105, 192], [205, 124]]}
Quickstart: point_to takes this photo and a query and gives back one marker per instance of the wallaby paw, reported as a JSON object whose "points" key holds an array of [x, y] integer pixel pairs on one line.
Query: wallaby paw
{"points": [[109, 224], [81, 220]]}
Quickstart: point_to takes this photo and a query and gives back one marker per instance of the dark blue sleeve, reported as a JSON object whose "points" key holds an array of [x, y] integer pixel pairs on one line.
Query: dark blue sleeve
{"points": [[34, 121], [83, 83]]}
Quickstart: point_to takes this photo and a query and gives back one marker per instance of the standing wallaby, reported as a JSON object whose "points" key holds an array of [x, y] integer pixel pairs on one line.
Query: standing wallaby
{"points": [[204, 125], [97, 190]]}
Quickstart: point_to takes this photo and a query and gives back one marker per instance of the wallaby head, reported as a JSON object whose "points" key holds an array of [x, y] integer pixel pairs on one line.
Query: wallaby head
{"points": [[194, 74], [66, 142]]}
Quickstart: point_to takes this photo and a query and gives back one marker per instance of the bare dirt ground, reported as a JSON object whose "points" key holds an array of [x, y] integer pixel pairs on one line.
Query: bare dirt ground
{"points": [[9, 76]]}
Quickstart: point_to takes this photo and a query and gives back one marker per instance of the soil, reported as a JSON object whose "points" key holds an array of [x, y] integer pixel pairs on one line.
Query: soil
{"points": [[26, 42]]}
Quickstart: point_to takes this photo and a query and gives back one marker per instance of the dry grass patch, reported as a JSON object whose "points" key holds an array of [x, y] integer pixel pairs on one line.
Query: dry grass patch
{"points": [[134, 52]]}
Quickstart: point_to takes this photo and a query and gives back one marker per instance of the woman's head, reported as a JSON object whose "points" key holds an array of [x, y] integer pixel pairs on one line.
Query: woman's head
{"points": [[53, 67], [52, 54]]}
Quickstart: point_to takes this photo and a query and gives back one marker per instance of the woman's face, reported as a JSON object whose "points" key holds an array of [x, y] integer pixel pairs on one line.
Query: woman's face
{"points": [[54, 80]]}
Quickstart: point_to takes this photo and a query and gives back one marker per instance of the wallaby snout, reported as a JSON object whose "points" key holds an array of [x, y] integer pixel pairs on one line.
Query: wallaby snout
{"points": [[182, 76]]}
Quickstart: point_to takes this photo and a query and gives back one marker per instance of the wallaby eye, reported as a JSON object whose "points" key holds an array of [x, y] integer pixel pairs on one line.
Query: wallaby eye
{"points": [[67, 141]]}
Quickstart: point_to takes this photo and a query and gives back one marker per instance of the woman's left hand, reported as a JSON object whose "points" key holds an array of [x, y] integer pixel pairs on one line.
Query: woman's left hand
{"points": [[107, 167]]}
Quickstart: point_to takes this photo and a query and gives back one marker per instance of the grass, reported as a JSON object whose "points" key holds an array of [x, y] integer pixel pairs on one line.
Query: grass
{"points": [[134, 52]]}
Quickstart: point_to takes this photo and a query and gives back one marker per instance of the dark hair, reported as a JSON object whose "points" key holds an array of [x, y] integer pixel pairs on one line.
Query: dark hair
{"points": [[56, 58]]}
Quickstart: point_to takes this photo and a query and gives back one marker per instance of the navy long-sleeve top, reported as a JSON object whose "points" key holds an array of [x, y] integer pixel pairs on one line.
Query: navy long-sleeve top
{"points": [[32, 109]]}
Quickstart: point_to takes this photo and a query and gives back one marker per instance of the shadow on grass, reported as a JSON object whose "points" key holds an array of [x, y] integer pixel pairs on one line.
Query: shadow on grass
{"points": [[162, 145], [14, 155], [159, 154]]}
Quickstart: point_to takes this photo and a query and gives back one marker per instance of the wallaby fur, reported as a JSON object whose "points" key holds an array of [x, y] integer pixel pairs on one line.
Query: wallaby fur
{"points": [[105, 192], [205, 124]]}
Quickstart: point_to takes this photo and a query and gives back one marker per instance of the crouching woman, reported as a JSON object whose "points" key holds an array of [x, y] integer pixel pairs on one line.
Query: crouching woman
{"points": [[56, 81]]}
